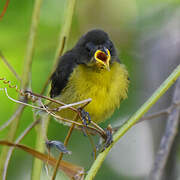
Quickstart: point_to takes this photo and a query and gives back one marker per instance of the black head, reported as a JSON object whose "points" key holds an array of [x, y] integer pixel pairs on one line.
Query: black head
{"points": [[96, 47]]}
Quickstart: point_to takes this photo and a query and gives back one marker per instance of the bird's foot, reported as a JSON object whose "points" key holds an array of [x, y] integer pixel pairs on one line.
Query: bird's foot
{"points": [[85, 116], [106, 141], [109, 137]]}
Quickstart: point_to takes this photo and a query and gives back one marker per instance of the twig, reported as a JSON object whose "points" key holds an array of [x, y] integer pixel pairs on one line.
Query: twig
{"points": [[167, 139], [160, 113], [69, 135], [70, 169], [4, 9], [127, 125], [50, 111], [64, 35], [7, 123], [9, 66], [20, 102], [65, 144], [31, 44], [92, 144], [52, 100], [10, 137], [25, 79], [93, 129], [75, 104], [27, 68], [39, 146], [50, 74], [62, 42], [20, 138], [154, 115]]}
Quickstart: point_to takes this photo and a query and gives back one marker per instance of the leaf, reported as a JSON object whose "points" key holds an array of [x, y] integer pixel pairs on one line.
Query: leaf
{"points": [[71, 170], [59, 145]]}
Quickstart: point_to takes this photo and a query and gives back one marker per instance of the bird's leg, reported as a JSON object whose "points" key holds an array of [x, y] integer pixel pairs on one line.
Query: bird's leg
{"points": [[109, 137], [106, 140], [85, 116]]}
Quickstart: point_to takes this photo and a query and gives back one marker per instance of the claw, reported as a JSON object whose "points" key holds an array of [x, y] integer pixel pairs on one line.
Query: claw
{"points": [[109, 138], [85, 116], [105, 142]]}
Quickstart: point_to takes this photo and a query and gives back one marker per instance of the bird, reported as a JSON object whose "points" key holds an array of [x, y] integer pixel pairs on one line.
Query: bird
{"points": [[91, 69]]}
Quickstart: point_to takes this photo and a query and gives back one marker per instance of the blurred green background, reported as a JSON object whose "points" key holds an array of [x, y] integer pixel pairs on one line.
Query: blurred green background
{"points": [[146, 34]]}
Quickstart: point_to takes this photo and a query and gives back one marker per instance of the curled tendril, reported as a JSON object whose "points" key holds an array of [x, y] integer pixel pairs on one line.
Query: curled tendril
{"points": [[26, 94]]}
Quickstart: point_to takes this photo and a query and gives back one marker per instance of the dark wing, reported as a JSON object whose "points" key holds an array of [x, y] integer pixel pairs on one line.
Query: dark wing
{"points": [[67, 63]]}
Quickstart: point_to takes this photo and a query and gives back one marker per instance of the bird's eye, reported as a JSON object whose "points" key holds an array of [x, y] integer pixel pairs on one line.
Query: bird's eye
{"points": [[90, 46]]}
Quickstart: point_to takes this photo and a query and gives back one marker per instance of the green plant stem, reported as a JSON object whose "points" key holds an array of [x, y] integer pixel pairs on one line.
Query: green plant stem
{"points": [[10, 137], [9, 66], [167, 140], [30, 45], [127, 125], [62, 42], [25, 81], [63, 38], [37, 165], [61, 154], [64, 34], [41, 129]]}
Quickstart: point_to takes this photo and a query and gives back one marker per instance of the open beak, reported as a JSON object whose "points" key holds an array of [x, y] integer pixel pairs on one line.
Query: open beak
{"points": [[103, 57]]}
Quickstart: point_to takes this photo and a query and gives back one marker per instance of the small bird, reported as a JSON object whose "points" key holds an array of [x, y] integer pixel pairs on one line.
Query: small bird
{"points": [[91, 69]]}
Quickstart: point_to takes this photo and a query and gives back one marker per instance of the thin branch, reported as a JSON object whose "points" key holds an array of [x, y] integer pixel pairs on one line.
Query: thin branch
{"points": [[9, 66], [25, 79], [60, 49], [72, 170], [98, 128], [39, 146], [167, 139], [10, 137], [93, 129], [74, 104], [63, 119], [64, 35], [154, 115], [51, 111], [7, 123], [50, 99], [127, 125], [4, 9], [92, 144], [160, 113], [19, 139], [28, 61], [31, 44], [50, 74], [20, 102], [65, 144], [70, 132]]}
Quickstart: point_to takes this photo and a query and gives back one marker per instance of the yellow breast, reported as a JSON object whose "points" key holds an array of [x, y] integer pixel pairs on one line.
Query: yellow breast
{"points": [[105, 88]]}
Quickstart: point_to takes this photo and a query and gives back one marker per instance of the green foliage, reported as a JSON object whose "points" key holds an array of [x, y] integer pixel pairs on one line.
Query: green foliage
{"points": [[124, 28]]}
